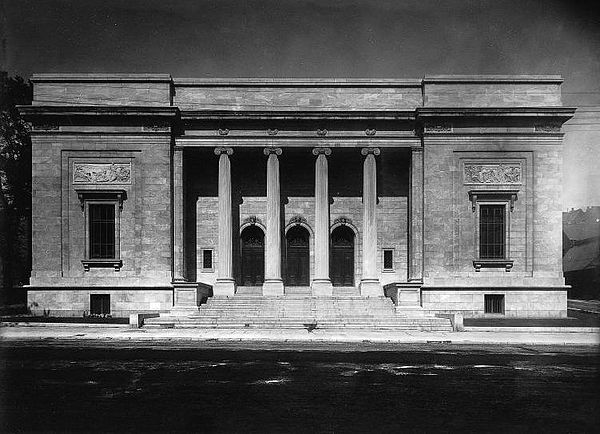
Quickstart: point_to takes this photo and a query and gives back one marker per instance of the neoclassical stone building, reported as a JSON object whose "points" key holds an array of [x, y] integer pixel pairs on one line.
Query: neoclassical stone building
{"points": [[152, 193]]}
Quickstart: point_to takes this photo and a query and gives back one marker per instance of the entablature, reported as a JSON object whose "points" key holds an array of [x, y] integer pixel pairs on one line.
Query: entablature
{"points": [[104, 119], [492, 120]]}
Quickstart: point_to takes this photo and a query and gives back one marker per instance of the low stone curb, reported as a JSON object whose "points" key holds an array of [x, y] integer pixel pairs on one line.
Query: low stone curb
{"points": [[533, 329]]}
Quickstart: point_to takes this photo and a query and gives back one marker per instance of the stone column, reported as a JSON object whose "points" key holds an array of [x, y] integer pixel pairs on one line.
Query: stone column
{"points": [[415, 227], [225, 284], [321, 284], [273, 284], [178, 235], [369, 284]]}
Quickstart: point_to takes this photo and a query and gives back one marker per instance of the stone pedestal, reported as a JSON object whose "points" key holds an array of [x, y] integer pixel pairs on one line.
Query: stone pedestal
{"points": [[225, 284], [321, 284], [369, 284], [185, 298], [273, 284]]}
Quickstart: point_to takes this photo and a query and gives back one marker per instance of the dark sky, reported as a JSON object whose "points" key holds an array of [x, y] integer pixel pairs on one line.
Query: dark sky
{"points": [[308, 38]]}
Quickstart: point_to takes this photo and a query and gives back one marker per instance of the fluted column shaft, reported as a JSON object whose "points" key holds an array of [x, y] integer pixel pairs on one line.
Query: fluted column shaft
{"points": [[369, 285], [321, 284], [225, 284], [273, 284]]}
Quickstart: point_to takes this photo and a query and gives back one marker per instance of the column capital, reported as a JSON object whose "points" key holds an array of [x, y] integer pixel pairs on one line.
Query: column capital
{"points": [[223, 150], [319, 151], [416, 149], [367, 151], [272, 150]]}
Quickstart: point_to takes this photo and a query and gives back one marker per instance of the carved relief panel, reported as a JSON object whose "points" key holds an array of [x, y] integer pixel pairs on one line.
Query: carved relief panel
{"points": [[492, 173], [102, 173]]}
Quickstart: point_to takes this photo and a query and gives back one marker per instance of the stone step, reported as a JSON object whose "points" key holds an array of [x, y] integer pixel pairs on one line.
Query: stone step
{"points": [[301, 311]]}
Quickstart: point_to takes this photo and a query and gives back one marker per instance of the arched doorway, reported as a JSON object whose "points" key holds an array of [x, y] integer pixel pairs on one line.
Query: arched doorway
{"points": [[253, 256], [342, 256], [297, 256]]}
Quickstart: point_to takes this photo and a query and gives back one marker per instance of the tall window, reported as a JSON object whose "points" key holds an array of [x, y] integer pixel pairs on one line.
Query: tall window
{"points": [[388, 260], [207, 260], [492, 231], [102, 213], [102, 231]]}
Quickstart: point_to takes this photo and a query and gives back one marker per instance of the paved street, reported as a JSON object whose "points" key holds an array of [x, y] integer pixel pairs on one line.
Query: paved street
{"points": [[240, 387]]}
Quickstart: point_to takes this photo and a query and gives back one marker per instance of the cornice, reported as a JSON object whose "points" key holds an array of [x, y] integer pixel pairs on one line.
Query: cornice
{"points": [[407, 115], [482, 79], [29, 111], [296, 82], [94, 77], [479, 112]]}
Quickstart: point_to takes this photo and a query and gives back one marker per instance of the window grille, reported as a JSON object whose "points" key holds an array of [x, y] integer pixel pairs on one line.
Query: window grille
{"points": [[492, 232], [100, 304], [494, 303], [102, 231]]}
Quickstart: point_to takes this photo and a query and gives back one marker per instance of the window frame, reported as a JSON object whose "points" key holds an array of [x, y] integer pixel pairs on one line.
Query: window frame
{"points": [[383, 268], [502, 305], [504, 198], [202, 268], [102, 197], [100, 296]]}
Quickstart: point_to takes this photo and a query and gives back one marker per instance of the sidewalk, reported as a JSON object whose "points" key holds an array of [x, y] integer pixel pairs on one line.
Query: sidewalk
{"points": [[125, 334]]}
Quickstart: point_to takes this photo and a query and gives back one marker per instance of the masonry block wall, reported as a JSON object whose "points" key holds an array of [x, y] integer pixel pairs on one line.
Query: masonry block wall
{"points": [[482, 138]]}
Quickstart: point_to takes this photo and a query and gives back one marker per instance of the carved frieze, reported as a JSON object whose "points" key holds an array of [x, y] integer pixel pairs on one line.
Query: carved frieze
{"points": [[443, 128], [548, 128], [492, 173], [156, 128], [101, 173], [45, 127]]}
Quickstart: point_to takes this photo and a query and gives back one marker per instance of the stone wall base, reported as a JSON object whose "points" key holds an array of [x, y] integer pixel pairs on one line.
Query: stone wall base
{"points": [[518, 302], [75, 302]]}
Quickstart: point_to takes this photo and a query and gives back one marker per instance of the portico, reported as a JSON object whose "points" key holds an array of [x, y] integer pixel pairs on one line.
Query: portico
{"points": [[356, 257]]}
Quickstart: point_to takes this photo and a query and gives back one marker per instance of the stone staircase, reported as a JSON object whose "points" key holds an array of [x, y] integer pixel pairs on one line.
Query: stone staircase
{"points": [[297, 310]]}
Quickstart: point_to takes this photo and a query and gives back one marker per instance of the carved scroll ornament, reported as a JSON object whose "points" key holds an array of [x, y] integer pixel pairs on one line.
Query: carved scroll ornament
{"points": [[102, 173], [492, 173]]}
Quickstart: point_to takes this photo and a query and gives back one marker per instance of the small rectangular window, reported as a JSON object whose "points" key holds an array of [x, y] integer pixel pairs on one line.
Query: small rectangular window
{"points": [[102, 231], [494, 303], [388, 259], [492, 232], [207, 260], [100, 304]]}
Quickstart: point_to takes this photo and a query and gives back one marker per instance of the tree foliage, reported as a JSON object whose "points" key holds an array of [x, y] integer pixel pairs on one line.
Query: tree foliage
{"points": [[15, 183]]}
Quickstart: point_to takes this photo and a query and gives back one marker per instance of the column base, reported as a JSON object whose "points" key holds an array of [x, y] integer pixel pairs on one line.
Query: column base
{"points": [[224, 288], [322, 288], [371, 288], [273, 287]]}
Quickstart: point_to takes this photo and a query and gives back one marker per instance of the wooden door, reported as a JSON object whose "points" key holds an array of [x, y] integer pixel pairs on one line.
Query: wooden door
{"points": [[297, 257], [342, 257], [253, 257]]}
